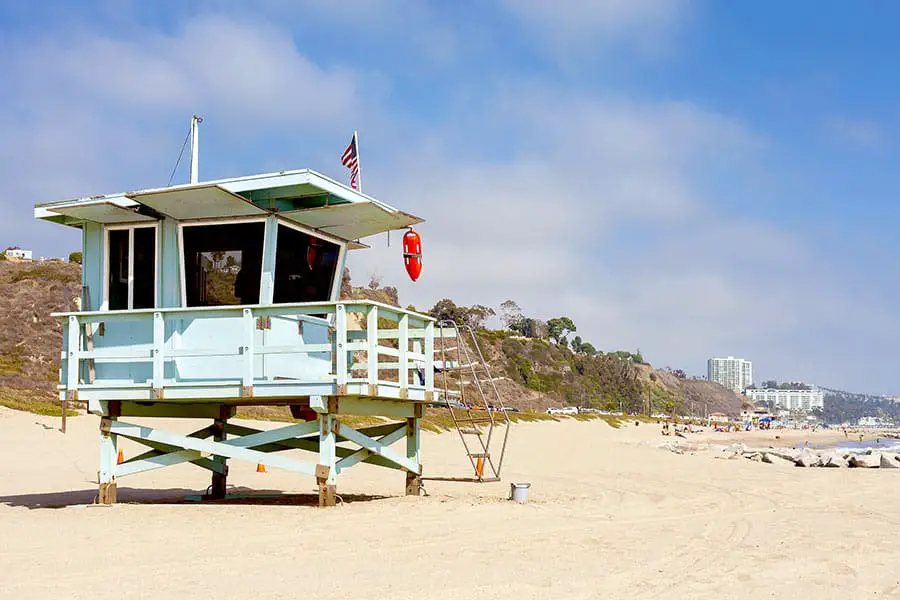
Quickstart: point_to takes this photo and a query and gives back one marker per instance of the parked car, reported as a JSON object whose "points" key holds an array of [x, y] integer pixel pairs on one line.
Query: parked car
{"points": [[589, 410], [566, 410], [511, 409]]}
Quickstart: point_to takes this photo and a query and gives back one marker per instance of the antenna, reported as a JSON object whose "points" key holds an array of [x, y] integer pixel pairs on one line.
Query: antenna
{"points": [[195, 147]]}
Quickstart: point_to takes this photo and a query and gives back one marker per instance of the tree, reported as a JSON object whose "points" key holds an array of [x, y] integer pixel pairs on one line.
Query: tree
{"points": [[559, 327], [531, 328], [511, 315], [588, 349], [577, 344], [473, 316], [75, 257]]}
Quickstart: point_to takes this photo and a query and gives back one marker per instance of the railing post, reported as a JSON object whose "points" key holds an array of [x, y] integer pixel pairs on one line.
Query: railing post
{"points": [[247, 349], [372, 352], [73, 357], [159, 339], [340, 349], [404, 359], [429, 361]]}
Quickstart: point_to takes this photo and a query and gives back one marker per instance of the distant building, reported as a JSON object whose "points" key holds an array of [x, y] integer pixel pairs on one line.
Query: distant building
{"points": [[790, 399], [18, 253], [734, 373]]}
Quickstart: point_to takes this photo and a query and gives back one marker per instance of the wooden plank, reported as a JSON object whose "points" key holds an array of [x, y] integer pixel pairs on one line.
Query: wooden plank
{"points": [[364, 453], [372, 346], [236, 448], [429, 357], [89, 335], [249, 327], [385, 408], [376, 447], [340, 341], [73, 358], [173, 410], [159, 341]]}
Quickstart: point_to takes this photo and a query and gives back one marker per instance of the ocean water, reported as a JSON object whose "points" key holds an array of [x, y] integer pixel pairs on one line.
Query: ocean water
{"points": [[870, 443]]}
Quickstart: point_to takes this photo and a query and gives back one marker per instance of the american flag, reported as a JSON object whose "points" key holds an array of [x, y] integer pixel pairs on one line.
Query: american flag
{"points": [[350, 159]]}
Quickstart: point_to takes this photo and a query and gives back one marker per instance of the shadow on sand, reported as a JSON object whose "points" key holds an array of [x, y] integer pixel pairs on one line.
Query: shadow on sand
{"points": [[126, 495]]}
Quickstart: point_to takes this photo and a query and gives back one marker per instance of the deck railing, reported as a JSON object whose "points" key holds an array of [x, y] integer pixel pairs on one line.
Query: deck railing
{"points": [[347, 348]]}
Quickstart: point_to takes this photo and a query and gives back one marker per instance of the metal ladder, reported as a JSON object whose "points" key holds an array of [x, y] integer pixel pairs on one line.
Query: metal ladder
{"points": [[475, 406]]}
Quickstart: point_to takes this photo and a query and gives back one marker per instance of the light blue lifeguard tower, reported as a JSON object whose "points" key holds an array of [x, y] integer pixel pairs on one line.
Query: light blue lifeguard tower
{"points": [[204, 297]]}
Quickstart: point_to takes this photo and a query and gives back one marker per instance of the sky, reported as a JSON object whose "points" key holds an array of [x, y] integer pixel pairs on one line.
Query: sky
{"points": [[688, 178]]}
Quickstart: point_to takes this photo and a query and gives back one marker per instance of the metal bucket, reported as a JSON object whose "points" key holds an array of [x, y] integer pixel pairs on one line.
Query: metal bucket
{"points": [[519, 492]]}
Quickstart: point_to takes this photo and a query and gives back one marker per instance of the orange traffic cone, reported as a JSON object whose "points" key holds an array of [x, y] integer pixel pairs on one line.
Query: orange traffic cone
{"points": [[479, 467], [260, 468], [121, 457]]}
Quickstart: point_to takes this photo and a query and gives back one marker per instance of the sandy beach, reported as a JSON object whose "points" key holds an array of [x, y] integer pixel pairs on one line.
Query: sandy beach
{"points": [[610, 515]]}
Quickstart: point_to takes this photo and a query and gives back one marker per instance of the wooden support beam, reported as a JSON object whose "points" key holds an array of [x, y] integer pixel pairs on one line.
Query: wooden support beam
{"points": [[164, 455], [413, 478], [326, 471], [219, 478], [237, 448], [397, 433], [375, 447], [176, 410], [108, 455]]}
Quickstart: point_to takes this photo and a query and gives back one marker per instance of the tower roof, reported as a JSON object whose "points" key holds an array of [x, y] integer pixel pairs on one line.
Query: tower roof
{"points": [[302, 196]]}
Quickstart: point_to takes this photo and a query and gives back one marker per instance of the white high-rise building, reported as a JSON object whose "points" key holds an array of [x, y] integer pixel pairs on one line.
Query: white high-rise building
{"points": [[734, 373], [804, 400]]}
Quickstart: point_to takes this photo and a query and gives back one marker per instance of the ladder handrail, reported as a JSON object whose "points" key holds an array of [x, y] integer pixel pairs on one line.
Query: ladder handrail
{"points": [[465, 361]]}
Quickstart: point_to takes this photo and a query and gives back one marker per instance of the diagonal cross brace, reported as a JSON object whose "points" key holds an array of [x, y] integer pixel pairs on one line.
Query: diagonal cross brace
{"points": [[237, 448], [165, 455], [364, 453], [377, 447]]}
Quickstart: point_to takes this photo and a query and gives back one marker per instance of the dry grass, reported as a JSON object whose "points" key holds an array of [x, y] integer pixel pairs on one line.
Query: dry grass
{"points": [[32, 401]]}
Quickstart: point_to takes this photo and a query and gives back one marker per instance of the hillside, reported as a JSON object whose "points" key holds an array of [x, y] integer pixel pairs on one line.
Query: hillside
{"points": [[532, 373], [30, 339]]}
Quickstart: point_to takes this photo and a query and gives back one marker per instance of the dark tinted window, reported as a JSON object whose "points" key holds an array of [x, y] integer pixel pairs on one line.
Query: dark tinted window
{"points": [[304, 266], [118, 269], [144, 274]]}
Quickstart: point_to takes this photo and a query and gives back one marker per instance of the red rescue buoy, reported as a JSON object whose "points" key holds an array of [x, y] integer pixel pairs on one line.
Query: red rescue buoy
{"points": [[312, 252], [412, 254]]}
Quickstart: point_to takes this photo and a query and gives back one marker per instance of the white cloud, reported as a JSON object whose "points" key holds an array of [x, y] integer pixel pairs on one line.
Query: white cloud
{"points": [[96, 114], [236, 67], [575, 25]]}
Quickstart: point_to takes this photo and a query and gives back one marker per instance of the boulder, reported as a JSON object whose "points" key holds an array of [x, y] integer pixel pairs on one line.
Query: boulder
{"points": [[808, 458], [866, 461], [757, 456], [889, 461], [784, 453], [776, 459], [834, 460]]}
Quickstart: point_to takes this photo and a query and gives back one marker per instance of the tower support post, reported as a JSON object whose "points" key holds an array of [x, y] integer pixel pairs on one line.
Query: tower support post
{"points": [[109, 452]]}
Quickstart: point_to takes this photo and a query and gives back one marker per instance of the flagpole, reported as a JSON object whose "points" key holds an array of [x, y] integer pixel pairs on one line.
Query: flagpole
{"points": [[358, 163]]}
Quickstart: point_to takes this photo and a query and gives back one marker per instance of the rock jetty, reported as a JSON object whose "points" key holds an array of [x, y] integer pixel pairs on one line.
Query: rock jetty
{"points": [[795, 457]]}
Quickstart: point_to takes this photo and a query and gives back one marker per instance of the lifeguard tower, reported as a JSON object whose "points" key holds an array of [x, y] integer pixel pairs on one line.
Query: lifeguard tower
{"points": [[203, 297]]}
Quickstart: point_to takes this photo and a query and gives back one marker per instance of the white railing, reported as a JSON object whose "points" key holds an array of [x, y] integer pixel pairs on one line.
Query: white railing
{"points": [[353, 347]]}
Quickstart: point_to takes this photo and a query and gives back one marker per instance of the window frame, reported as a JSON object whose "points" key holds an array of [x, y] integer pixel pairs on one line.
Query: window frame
{"points": [[182, 267], [130, 227], [342, 245]]}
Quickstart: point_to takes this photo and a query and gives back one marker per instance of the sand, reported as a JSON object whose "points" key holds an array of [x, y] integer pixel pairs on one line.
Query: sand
{"points": [[610, 515]]}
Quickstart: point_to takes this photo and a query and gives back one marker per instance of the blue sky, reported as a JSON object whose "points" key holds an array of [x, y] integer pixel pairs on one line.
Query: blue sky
{"points": [[691, 178]]}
